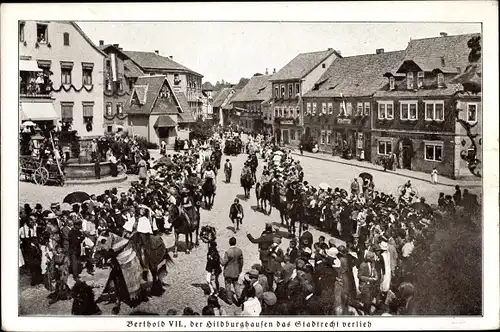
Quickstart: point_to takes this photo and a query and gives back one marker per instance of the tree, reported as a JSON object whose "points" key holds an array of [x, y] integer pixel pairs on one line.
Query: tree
{"points": [[201, 130], [470, 81], [241, 84]]}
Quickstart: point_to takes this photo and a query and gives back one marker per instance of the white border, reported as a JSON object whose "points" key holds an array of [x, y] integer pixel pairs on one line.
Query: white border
{"points": [[473, 11]]}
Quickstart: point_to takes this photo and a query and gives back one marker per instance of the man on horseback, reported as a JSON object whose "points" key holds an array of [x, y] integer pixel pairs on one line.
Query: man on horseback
{"points": [[247, 179], [209, 186]]}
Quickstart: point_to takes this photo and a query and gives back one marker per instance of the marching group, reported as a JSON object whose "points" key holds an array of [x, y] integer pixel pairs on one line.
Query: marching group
{"points": [[365, 272]]}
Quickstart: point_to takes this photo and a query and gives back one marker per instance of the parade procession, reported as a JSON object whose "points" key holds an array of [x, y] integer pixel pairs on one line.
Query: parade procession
{"points": [[334, 186]]}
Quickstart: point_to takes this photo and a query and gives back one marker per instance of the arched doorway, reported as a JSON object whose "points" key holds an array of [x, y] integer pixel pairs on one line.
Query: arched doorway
{"points": [[405, 149]]}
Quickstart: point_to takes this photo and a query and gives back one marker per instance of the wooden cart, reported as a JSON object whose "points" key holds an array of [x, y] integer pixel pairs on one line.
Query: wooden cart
{"points": [[35, 170]]}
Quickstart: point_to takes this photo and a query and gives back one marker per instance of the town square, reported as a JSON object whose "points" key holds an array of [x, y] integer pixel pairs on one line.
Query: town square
{"points": [[334, 180]]}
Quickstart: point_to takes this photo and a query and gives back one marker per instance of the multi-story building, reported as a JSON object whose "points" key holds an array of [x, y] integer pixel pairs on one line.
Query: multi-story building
{"points": [[247, 103], [207, 112], [156, 112], [222, 105], [289, 84], [338, 107], [415, 116], [120, 75], [182, 79], [61, 76]]}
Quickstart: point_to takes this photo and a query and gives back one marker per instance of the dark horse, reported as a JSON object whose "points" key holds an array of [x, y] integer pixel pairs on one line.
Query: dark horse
{"points": [[126, 275], [184, 221], [279, 200], [264, 194], [208, 189], [247, 181]]}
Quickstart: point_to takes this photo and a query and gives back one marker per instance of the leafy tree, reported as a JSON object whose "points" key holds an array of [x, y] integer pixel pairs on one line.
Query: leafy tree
{"points": [[201, 130]]}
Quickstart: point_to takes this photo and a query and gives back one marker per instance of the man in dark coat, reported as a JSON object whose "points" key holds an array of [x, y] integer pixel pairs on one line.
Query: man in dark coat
{"points": [[276, 257], [233, 265], [75, 248], [264, 241], [306, 239], [228, 170]]}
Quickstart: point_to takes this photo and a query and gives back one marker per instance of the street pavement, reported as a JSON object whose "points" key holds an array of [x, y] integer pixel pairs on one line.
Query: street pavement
{"points": [[187, 275]]}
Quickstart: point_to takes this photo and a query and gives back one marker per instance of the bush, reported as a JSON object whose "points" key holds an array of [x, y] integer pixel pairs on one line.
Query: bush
{"points": [[145, 144], [307, 143], [201, 130]]}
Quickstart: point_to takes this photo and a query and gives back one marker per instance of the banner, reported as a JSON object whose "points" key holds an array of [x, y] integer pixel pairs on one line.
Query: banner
{"points": [[113, 67]]}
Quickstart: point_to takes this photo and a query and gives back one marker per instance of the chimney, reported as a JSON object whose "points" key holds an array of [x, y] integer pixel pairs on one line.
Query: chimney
{"points": [[379, 51], [157, 52], [101, 42], [274, 70], [120, 48], [171, 57], [116, 45], [443, 34], [267, 73]]}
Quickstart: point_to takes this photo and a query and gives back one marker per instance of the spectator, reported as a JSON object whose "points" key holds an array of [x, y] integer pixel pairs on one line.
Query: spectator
{"points": [[233, 265], [213, 268]]}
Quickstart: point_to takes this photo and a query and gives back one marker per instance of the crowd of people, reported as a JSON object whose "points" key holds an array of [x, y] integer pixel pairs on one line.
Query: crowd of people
{"points": [[364, 269]]}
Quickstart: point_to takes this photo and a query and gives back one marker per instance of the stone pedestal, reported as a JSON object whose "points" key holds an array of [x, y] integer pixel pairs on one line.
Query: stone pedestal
{"points": [[85, 171]]}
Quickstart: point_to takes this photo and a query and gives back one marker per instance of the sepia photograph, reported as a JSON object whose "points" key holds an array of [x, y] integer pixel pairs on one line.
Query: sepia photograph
{"points": [[249, 168]]}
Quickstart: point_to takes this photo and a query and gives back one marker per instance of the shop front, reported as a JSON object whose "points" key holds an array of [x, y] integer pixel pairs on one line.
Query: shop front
{"points": [[351, 140]]}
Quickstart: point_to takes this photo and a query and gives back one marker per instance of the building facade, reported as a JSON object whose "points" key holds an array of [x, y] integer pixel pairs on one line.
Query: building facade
{"points": [[416, 111], [222, 105], [207, 112], [289, 84], [68, 69], [155, 111], [338, 108]]}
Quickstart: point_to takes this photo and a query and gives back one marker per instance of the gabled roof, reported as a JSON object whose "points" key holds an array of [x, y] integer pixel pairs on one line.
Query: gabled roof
{"points": [[221, 96], [258, 88], [183, 103], [302, 65], [147, 89], [80, 31], [131, 69], [360, 75], [153, 61]]}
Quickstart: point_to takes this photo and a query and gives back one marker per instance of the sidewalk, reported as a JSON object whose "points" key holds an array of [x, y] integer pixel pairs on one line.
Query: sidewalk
{"points": [[401, 172]]}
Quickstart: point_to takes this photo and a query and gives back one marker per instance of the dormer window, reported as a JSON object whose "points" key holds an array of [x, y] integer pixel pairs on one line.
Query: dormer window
{"points": [[440, 78], [282, 91], [392, 83], [297, 88], [409, 81], [276, 91], [420, 79]]}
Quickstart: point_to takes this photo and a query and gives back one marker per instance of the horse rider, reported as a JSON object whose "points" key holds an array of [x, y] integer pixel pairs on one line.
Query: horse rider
{"points": [[265, 177], [209, 174]]}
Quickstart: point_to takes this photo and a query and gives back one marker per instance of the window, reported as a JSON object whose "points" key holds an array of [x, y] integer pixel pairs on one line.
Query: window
{"points": [[297, 110], [282, 91], [330, 108], [177, 80], [276, 91], [66, 75], [110, 129], [308, 105], [66, 39], [21, 31], [88, 111], [349, 109], [434, 110], [67, 112], [314, 109], [359, 109], [323, 65], [42, 33], [385, 110], [323, 108], [342, 109], [285, 112], [440, 78], [472, 112], [109, 109], [323, 137], [409, 81], [408, 110], [297, 88], [420, 79], [291, 110], [292, 134], [434, 151], [119, 85], [108, 85], [87, 76], [392, 83], [280, 114], [384, 147], [119, 108], [275, 112], [290, 90], [367, 108]]}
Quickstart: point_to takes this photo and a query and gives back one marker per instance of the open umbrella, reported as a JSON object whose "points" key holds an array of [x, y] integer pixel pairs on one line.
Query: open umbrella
{"points": [[279, 152], [28, 124], [324, 186], [76, 197], [365, 176]]}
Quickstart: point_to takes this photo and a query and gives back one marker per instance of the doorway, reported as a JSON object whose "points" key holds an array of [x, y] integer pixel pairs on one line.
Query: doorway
{"points": [[407, 154], [285, 136]]}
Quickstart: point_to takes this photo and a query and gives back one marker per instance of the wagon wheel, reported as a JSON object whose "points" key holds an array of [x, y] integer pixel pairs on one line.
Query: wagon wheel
{"points": [[41, 175]]}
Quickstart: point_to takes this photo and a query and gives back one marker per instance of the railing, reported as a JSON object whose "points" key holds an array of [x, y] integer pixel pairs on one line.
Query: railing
{"points": [[34, 90]]}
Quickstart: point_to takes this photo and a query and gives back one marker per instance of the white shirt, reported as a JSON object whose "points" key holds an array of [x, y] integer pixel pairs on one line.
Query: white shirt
{"points": [[24, 232], [144, 226]]}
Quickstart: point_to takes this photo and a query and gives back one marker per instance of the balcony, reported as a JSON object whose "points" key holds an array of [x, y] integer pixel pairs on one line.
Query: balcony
{"points": [[34, 90]]}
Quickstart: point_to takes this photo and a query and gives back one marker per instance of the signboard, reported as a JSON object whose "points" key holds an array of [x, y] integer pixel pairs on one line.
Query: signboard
{"points": [[344, 121], [286, 122]]}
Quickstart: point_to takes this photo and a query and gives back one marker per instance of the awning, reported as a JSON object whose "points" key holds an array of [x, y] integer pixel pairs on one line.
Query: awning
{"points": [[164, 121], [28, 65], [37, 111]]}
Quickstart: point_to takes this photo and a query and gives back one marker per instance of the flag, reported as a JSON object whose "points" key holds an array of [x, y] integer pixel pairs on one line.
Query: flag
{"points": [[113, 67], [343, 103]]}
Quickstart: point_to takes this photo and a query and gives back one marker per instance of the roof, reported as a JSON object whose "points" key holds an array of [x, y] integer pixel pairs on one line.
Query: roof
{"points": [[258, 88], [207, 86], [360, 75], [183, 103], [164, 121], [450, 89], [147, 89], [131, 69], [302, 65], [428, 64], [221, 96], [186, 117], [77, 27], [151, 60]]}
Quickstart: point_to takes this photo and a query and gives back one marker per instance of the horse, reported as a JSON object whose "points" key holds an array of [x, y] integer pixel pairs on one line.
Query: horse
{"points": [[127, 275], [280, 202], [247, 181], [184, 221], [264, 194], [208, 189]]}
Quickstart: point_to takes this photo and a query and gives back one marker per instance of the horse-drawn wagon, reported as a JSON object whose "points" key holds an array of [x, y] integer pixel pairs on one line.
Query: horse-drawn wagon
{"points": [[39, 172]]}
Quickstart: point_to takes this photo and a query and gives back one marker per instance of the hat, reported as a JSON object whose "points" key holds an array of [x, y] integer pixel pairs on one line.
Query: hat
{"points": [[54, 205], [277, 240], [117, 211], [252, 274], [307, 250], [342, 250], [50, 216], [269, 298], [332, 252], [369, 256], [331, 243], [38, 206]]}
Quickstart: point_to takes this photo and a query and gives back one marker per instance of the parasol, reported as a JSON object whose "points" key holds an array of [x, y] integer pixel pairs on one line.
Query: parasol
{"points": [[28, 124], [279, 152], [76, 197], [324, 186], [365, 176]]}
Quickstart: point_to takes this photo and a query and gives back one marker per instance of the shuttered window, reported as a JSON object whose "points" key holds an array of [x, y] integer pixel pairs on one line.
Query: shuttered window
{"points": [[66, 111], [88, 109]]}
